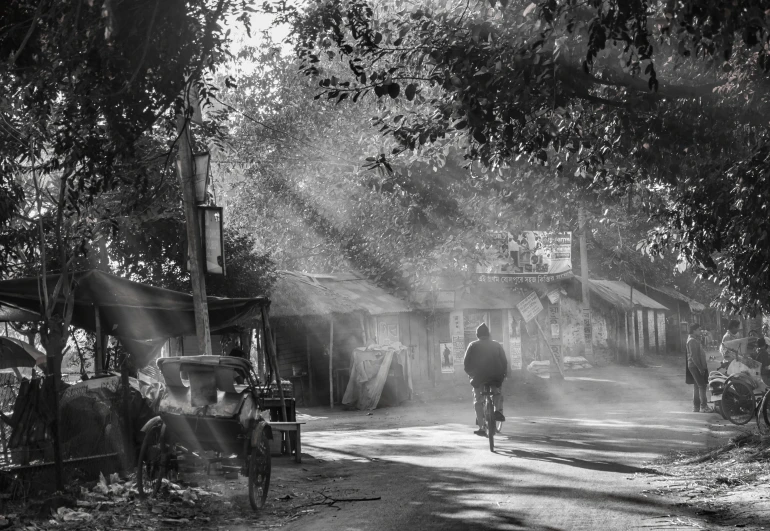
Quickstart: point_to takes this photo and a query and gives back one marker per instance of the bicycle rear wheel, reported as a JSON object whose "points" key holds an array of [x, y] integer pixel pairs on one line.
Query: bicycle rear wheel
{"points": [[489, 415], [738, 402]]}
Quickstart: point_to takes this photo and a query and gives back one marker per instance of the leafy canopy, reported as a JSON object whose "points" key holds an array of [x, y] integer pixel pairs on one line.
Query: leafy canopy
{"points": [[665, 102]]}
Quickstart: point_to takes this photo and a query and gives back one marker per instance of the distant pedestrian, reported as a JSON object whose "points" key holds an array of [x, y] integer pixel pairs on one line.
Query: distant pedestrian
{"points": [[698, 371]]}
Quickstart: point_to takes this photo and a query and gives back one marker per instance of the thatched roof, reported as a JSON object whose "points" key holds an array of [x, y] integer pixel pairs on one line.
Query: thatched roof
{"points": [[297, 295]]}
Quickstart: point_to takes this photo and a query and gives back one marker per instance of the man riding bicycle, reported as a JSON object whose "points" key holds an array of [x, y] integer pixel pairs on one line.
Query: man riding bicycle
{"points": [[486, 363]]}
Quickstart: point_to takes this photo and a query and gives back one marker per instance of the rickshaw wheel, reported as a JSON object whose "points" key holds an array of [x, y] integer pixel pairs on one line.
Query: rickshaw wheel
{"points": [[259, 471], [151, 466], [737, 402]]}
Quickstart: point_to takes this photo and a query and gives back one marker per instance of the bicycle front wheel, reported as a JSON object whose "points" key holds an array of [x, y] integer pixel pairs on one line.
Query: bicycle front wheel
{"points": [[489, 415]]}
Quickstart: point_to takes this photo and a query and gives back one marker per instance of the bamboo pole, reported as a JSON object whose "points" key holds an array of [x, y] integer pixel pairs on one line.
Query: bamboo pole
{"points": [[548, 345], [331, 360], [99, 352], [273, 360]]}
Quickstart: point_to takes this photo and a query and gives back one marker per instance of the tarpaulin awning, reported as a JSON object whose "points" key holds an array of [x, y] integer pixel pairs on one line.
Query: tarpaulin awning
{"points": [[140, 314]]}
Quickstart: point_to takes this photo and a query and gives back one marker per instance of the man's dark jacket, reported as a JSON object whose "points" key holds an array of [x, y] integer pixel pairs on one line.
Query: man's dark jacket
{"points": [[485, 360]]}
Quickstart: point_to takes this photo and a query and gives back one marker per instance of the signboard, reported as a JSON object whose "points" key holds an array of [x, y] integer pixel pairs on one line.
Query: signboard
{"points": [[387, 330], [458, 336], [529, 256], [514, 343], [213, 241], [458, 348], [588, 333], [554, 296], [447, 359], [554, 318], [530, 306]]}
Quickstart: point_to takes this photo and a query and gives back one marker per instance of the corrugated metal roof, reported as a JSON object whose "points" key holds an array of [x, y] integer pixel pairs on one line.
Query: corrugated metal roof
{"points": [[362, 292], [618, 293], [297, 294], [695, 306]]}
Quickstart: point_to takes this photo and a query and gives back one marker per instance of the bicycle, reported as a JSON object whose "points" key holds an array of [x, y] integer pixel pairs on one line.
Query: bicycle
{"points": [[493, 426]]}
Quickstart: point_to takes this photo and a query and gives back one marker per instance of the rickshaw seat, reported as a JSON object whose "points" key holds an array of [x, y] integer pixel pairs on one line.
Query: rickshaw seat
{"points": [[225, 369]]}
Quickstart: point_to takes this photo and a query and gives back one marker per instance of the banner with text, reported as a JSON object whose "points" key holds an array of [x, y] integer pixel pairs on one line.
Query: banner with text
{"points": [[456, 330], [529, 256], [514, 342]]}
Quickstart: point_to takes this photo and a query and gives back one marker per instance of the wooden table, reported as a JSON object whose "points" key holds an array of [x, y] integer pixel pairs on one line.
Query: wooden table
{"points": [[290, 427]]}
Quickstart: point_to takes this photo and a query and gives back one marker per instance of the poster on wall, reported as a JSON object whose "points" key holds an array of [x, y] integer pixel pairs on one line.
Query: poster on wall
{"points": [[447, 359], [514, 343], [530, 306], [458, 348], [458, 336], [528, 256], [554, 317]]}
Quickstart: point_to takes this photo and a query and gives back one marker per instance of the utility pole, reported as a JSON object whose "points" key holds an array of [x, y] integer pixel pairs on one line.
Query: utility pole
{"points": [[186, 173], [588, 329]]}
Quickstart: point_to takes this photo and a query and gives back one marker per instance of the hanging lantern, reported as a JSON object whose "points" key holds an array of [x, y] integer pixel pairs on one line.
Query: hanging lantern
{"points": [[201, 163]]}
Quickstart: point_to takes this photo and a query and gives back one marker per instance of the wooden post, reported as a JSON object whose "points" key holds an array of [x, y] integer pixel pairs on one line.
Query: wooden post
{"points": [[309, 366], [679, 327], [273, 359], [657, 331], [99, 352], [628, 344], [331, 359], [583, 257], [186, 173]]}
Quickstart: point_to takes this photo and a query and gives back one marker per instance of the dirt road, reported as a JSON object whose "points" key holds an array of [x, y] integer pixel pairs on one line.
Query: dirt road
{"points": [[572, 456]]}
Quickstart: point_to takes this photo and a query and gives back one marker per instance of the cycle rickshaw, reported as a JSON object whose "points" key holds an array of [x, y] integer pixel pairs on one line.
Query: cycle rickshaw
{"points": [[211, 403], [739, 392]]}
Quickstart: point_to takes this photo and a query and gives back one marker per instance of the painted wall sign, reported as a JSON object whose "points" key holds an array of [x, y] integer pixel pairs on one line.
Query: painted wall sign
{"points": [[554, 319]]}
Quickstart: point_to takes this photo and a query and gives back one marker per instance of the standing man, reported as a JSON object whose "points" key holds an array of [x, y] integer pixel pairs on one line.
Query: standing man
{"points": [[485, 363], [696, 365]]}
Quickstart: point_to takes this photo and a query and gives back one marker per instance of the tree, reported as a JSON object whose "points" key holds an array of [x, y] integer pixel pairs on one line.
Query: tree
{"points": [[662, 101], [82, 84]]}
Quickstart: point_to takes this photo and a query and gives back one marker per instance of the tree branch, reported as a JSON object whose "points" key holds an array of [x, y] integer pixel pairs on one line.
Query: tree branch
{"points": [[30, 31]]}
